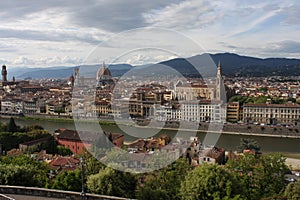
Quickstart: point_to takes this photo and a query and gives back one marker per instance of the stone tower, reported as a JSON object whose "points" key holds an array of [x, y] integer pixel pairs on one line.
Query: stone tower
{"points": [[4, 73], [219, 86], [76, 74]]}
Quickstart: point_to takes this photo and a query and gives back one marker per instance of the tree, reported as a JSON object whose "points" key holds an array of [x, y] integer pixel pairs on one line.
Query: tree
{"points": [[238, 98], [32, 127], [69, 180], [113, 183], [242, 168], [92, 165], [210, 182], [12, 140], [270, 174], [259, 176], [22, 170], [64, 151], [250, 144], [261, 99], [147, 193], [12, 127], [263, 89], [293, 191], [2, 127], [166, 182]]}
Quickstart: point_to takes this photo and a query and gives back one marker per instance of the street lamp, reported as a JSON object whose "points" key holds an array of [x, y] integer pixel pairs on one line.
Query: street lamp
{"points": [[82, 178]]}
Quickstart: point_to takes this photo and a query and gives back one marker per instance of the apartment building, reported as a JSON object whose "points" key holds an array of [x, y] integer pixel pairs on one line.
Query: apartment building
{"points": [[288, 113], [234, 112]]}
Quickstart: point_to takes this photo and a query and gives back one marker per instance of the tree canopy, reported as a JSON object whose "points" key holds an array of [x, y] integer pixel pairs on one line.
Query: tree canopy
{"points": [[112, 182], [69, 180], [249, 144], [166, 182], [293, 191], [23, 171], [210, 182]]}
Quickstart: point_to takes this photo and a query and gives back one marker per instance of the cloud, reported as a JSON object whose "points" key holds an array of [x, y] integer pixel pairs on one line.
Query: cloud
{"points": [[291, 14], [113, 16], [184, 15], [117, 15], [57, 36], [49, 25], [287, 46], [3, 61], [45, 61], [6, 47], [22, 60], [142, 59], [57, 31]]}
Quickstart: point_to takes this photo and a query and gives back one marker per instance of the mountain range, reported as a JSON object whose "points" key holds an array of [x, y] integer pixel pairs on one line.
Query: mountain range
{"points": [[232, 65]]}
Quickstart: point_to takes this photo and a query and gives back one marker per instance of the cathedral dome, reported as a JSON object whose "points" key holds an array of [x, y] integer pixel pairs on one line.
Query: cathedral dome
{"points": [[103, 72]]}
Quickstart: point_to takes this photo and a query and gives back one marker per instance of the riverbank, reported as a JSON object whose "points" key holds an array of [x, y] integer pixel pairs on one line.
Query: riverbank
{"points": [[60, 120], [228, 141], [229, 129]]}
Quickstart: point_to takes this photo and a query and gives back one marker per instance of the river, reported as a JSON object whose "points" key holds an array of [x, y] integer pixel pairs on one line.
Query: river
{"points": [[229, 142]]}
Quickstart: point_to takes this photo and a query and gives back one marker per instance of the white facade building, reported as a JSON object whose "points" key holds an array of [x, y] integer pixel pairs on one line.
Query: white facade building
{"points": [[192, 111]]}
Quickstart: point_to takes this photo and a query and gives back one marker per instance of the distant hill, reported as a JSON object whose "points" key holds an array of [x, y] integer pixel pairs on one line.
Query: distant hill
{"points": [[63, 72], [232, 65], [236, 65]]}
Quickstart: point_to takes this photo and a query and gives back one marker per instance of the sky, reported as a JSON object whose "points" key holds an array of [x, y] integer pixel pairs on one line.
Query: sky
{"points": [[38, 33]]}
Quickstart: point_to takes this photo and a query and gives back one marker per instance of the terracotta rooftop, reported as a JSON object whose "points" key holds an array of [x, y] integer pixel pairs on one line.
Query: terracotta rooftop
{"points": [[214, 152], [33, 142], [66, 134], [64, 162]]}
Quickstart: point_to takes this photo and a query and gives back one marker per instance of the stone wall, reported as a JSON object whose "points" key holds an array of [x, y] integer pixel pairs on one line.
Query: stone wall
{"points": [[58, 194]]}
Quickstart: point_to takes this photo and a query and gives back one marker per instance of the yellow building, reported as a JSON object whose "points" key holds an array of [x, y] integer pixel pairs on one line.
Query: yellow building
{"points": [[233, 112]]}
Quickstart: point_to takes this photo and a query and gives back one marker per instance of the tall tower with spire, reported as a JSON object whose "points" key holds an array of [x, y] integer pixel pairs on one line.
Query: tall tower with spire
{"points": [[76, 74], [4, 73], [219, 82]]}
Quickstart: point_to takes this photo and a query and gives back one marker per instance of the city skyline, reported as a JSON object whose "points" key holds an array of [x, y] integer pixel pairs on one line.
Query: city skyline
{"points": [[54, 33]]}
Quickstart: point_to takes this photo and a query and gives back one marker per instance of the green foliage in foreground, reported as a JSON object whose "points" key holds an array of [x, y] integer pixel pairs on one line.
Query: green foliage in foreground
{"points": [[292, 191], [69, 180], [165, 183], [248, 177], [112, 182], [12, 135], [210, 182], [22, 171], [259, 176]]}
